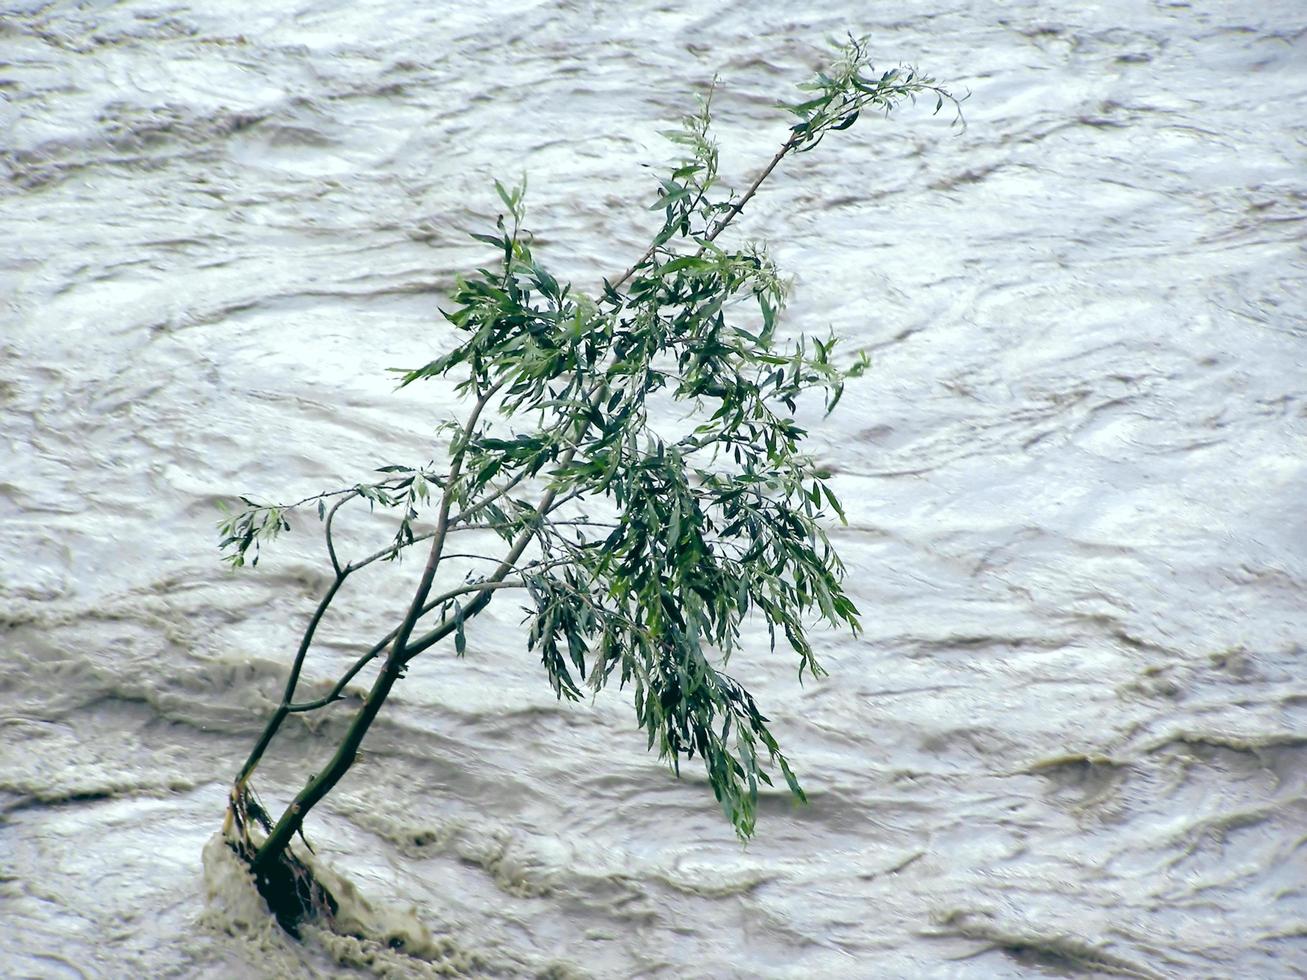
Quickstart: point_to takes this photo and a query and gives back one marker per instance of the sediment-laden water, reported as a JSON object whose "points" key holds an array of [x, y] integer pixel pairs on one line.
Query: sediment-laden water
{"points": [[1073, 737]]}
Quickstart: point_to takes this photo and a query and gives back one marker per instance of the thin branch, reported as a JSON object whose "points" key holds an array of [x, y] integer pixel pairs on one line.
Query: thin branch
{"points": [[371, 654], [442, 525], [738, 206], [727, 218], [331, 544], [394, 549], [547, 503], [472, 508], [335, 693], [523, 539], [389, 550], [292, 681], [394, 480]]}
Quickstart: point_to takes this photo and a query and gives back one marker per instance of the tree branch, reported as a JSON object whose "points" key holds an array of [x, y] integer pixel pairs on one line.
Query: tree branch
{"points": [[331, 544], [335, 693], [292, 681]]}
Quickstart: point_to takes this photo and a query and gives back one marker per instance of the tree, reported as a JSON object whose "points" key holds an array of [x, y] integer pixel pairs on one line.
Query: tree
{"points": [[637, 553]]}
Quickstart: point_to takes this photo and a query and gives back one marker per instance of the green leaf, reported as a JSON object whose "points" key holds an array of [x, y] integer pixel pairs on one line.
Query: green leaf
{"points": [[684, 262], [510, 198], [834, 502]]}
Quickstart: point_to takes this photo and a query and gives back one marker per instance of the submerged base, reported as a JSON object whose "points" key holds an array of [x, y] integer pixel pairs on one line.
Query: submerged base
{"points": [[293, 893]]}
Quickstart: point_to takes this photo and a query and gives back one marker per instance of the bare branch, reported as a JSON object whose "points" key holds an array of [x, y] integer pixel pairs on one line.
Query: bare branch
{"points": [[331, 544]]}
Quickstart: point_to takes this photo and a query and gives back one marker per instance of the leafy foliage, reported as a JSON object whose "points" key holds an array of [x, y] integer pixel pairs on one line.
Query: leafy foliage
{"points": [[638, 453]]}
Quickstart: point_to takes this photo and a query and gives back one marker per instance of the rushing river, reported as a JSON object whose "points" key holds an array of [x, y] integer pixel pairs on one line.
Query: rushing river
{"points": [[1071, 741]]}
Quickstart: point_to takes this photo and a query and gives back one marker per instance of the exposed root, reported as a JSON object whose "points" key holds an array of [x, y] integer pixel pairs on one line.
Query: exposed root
{"points": [[293, 892]]}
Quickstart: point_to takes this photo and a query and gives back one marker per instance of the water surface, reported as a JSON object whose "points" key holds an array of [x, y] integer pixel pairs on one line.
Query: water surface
{"points": [[1073, 738]]}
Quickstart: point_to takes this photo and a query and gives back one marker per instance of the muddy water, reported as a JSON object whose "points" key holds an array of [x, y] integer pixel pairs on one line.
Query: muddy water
{"points": [[1073, 739]]}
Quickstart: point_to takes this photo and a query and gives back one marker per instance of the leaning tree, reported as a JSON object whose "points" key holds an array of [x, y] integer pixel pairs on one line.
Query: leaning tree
{"points": [[638, 550]]}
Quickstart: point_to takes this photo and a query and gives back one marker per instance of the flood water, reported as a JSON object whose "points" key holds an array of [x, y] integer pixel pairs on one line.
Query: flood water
{"points": [[1072, 740]]}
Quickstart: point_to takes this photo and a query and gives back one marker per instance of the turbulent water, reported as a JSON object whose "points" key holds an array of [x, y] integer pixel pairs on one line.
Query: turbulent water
{"points": [[1071, 741]]}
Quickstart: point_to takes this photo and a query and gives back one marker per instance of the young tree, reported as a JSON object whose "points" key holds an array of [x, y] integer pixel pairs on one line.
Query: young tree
{"points": [[640, 552]]}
